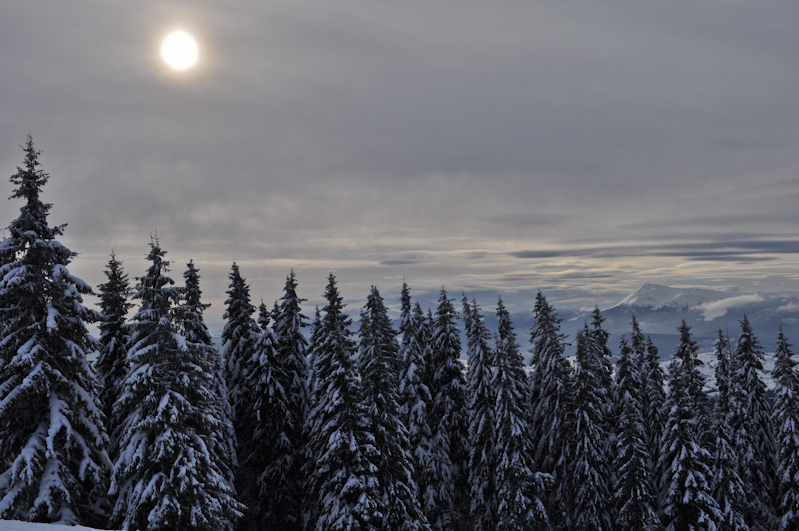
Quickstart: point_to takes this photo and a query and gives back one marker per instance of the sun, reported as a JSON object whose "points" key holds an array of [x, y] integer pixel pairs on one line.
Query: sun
{"points": [[179, 50]]}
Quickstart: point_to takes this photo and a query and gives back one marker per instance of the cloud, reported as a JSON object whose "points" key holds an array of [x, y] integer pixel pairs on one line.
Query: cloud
{"points": [[616, 142], [712, 310], [733, 250]]}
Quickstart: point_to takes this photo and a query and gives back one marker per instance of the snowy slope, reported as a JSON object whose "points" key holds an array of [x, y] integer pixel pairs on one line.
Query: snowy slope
{"points": [[657, 297], [13, 525]]}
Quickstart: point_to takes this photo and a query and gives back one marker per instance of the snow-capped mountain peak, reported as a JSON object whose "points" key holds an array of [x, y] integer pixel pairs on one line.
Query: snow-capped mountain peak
{"points": [[656, 297]]}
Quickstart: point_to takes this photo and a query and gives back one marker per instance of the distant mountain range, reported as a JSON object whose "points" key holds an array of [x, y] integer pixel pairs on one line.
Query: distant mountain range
{"points": [[661, 309]]}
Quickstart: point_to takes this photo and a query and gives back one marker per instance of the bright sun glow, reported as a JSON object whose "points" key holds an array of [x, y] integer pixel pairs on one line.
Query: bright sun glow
{"points": [[179, 50]]}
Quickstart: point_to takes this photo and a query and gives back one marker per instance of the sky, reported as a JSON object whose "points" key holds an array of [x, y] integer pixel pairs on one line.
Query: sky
{"points": [[580, 148]]}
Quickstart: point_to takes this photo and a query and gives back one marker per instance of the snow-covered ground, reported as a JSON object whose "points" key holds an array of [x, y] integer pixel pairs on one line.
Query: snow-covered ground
{"points": [[708, 369], [13, 525]]}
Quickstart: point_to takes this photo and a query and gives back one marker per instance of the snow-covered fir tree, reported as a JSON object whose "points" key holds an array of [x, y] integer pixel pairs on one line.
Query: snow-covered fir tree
{"points": [[601, 337], [686, 499], [292, 355], [222, 444], [111, 364], [634, 497], [342, 488], [753, 437], [550, 403], [239, 336], [414, 395], [448, 422], [588, 472], [53, 461], [482, 402], [264, 316], [653, 380], [267, 455], [519, 487], [315, 329], [726, 486], [292, 344], [723, 375], [785, 420], [165, 476], [379, 364]]}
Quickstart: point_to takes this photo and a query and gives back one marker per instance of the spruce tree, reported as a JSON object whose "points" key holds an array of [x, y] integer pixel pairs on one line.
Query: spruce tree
{"points": [[653, 380], [448, 421], [414, 395], [687, 501], [723, 374], [292, 355], [753, 437], [315, 330], [239, 336], [519, 487], [727, 486], [589, 471], [634, 496], [482, 402], [269, 454], [221, 445], [264, 316], [111, 364], [165, 476], [551, 405], [379, 364], [601, 337], [238, 339], [785, 420], [342, 489], [53, 461]]}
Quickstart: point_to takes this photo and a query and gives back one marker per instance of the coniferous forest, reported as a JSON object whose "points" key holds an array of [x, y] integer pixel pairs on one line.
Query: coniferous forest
{"points": [[311, 422]]}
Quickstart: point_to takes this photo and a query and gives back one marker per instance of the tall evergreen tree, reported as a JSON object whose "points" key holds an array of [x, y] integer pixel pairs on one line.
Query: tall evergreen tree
{"points": [[519, 487], [448, 421], [653, 380], [342, 490], [268, 452], [601, 337], [753, 437], [785, 420], [727, 486], [723, 374], [634, 495], [165, 477], [111, 361], [482, 403], [551, 404], [687, 501], [239, 336], [53, 461], [222, 444], [379, 368], [315, 330], [589, 471], [264, 316], [414, 395], [293, 357], [238, 339], [292, 345]]}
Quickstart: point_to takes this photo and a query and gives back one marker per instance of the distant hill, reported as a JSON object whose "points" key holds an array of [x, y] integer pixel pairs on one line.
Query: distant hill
{"points": [[660, 310]]}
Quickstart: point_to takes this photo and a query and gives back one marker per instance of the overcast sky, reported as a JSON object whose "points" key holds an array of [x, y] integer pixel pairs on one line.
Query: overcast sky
{"points": [[583, 148]]}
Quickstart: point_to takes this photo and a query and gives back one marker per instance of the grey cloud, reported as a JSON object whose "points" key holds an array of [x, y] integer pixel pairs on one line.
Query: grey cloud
{"points": [[349, 135]]}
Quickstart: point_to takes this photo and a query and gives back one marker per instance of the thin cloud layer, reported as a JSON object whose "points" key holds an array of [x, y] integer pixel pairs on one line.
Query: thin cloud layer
{"points": [[500, 146]]}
